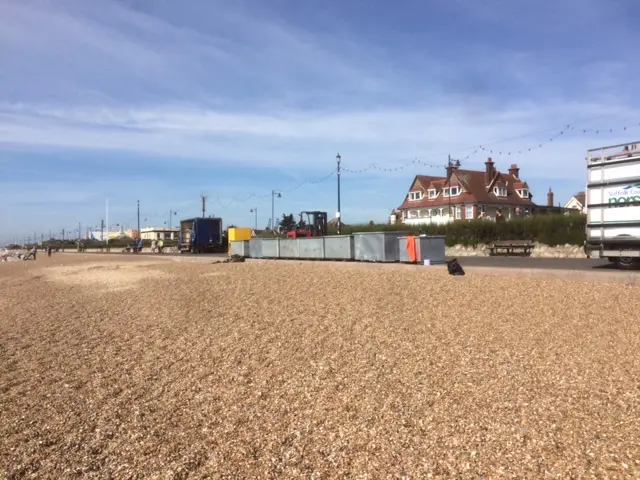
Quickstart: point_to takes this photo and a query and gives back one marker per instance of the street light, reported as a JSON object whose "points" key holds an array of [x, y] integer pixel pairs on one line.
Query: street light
{"points": [[171, 213], [255, 210], [139, 220], [274, 194], [338, 159]]}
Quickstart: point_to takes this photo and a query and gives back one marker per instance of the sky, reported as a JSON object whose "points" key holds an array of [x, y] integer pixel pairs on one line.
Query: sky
{"points": [[162, 101]]}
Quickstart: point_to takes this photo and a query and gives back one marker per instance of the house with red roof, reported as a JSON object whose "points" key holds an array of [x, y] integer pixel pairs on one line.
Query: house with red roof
{"points": [[577, 203], [465, 195]]}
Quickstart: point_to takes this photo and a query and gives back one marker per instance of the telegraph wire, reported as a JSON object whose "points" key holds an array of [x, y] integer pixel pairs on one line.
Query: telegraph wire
{"points": [[297, 186]]}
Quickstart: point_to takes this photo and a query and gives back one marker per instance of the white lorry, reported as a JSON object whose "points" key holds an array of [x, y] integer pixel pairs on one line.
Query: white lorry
{"points": [[613, 204]]}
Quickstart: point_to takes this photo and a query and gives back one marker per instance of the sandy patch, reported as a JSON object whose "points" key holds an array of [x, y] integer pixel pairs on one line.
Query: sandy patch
{"points": [[109, 275]]}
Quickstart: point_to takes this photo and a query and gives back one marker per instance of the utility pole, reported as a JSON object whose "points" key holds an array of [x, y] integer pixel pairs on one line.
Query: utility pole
{"points": [[449, 183], [63, 239], [338, 216], [451, 165], [101, 234], [274, 194], [107, 220], [254, 210], [139, 220], [171, 213], [203, 197]]}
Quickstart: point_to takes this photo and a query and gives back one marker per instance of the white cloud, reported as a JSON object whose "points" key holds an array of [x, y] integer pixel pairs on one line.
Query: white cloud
{"points": [[167, 83], [201, 134], [232, 83]]}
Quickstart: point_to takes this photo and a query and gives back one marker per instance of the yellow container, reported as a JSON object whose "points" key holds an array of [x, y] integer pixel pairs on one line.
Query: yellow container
{"points": [[237, 234]]}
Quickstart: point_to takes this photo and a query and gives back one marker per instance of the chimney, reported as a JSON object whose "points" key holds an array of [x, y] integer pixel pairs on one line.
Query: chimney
{"points": [[451, 166], [514, 170], [550, 198], [489, 171]]}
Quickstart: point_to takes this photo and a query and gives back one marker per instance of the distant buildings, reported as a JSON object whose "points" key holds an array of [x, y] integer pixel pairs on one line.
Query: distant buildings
{"points": [[153, 233]]}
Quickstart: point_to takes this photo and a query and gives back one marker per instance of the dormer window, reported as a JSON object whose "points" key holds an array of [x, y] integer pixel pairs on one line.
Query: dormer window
{"points": [[500, 191], [524, 193], [413, 196], [432, 193], [451, 192]]}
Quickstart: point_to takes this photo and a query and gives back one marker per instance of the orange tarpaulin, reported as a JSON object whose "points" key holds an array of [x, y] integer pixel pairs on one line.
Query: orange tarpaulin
{"points": [[412, 251]]}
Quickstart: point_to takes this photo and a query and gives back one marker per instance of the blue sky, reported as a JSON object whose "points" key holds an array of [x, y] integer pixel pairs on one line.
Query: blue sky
{"points": [[163, 100]]}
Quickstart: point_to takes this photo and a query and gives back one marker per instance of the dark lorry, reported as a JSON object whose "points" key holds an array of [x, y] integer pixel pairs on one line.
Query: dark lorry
{"points": [[201, 235]]}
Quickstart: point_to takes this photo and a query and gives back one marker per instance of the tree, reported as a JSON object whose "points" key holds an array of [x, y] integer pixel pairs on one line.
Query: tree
{"points": [[288, 222]]}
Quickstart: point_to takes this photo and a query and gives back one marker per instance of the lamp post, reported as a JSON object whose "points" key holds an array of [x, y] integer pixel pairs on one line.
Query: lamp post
{"points": [[139, 220], [254, 210], [274, 194], [171, 213], [338, 159]]}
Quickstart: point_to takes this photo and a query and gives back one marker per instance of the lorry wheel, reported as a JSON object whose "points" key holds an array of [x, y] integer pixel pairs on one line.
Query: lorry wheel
{"points": [[627, 263]]}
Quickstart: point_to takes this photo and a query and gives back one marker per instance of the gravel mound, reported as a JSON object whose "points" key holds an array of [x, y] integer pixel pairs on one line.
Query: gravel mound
{"points": [[272, 370]]}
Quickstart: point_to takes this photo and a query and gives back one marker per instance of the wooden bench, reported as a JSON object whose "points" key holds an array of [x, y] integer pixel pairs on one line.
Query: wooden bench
{"points": [[511, 247]]}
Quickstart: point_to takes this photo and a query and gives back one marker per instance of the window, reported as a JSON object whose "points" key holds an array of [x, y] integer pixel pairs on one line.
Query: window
{"points": [[435, 213], [452, 191], [413, 214], [458, 212], [500, 191], [524, 193], [432, 193], [415, 196], [468, 211]]}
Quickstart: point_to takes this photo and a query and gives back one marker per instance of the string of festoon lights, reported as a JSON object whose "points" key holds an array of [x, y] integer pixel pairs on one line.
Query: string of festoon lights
{"points": [[430, 162], [490, 148]]}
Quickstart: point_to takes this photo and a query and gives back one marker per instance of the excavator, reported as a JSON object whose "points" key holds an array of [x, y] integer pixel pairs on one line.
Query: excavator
{"points": [[311, 224]]}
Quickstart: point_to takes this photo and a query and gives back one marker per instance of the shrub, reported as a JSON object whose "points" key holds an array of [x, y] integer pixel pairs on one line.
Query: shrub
{"points": [[551, 230]]}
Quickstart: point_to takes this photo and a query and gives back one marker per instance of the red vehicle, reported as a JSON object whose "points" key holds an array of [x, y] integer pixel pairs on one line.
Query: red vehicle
{"points": [[311, 224]]}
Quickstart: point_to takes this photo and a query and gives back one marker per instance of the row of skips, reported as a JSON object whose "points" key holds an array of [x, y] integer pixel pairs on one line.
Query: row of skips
{"points": [[366, 246]]}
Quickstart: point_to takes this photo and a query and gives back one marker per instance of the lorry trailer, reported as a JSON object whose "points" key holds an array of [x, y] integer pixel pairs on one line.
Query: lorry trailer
{"points": [[613, 204], [201, 235]]}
